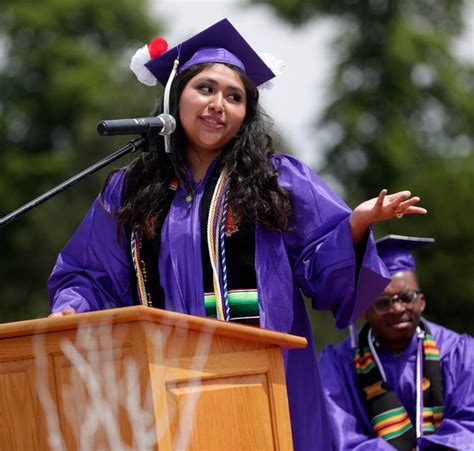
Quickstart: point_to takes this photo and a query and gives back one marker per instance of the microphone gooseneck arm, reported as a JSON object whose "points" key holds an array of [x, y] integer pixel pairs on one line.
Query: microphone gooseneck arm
{"points": [[149, 128], [132, 146]]}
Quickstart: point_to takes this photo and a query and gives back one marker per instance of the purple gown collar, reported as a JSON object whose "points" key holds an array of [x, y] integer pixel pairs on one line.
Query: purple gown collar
{"points": [[409, 353]]}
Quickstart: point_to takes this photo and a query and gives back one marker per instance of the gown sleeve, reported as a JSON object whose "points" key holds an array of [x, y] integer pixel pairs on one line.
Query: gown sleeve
{"points": [[456, 430], [325, 263], [348, 431], [92, 272]]}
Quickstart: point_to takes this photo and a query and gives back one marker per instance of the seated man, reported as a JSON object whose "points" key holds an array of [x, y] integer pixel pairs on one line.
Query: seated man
{"points": [[408, 382]]}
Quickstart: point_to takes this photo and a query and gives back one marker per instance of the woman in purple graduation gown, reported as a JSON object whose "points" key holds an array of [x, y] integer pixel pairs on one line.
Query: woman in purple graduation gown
{"points": [[227, 227]]}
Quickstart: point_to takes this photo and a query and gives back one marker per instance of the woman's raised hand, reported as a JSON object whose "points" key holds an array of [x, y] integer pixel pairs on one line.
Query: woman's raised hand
{"points": [[382, 208]]}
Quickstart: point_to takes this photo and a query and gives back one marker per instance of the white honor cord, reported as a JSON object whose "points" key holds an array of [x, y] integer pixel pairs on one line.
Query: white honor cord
{"points": [[354, 335], [419, 383], [376, 357], [419, 389]]}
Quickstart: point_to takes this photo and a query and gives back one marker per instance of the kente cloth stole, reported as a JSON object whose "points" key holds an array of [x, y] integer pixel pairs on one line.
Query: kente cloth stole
{"points": [[387, 414], [229, 284], [229, 276]]}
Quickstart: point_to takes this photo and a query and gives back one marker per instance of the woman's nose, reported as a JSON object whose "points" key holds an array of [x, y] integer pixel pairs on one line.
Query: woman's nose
{"points": [[217, 103]]}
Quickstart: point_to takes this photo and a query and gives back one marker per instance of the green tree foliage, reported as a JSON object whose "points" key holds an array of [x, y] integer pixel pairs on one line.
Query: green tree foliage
{"points": [[401, 116], [63, 67]]}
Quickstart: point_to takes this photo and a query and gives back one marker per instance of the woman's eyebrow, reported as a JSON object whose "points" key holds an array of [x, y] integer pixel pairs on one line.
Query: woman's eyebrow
{"points": [[213, 81]]}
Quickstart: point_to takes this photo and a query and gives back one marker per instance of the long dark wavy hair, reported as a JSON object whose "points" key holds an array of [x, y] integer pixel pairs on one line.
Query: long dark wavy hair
{"points": [[254, 194]]}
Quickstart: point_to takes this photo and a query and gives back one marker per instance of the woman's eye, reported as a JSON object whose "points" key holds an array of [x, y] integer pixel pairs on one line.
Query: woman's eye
{"points": [[235, 97], [205, 88]]}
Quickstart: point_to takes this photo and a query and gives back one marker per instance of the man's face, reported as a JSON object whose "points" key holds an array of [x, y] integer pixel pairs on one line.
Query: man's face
{"points": [[395, 327]]}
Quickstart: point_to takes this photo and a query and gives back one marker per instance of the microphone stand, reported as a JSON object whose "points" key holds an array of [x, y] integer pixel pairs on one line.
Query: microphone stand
{"points": [[131, 147]]}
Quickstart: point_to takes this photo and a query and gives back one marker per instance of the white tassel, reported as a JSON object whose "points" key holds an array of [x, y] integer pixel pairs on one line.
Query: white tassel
{"points": [[166, 101]]}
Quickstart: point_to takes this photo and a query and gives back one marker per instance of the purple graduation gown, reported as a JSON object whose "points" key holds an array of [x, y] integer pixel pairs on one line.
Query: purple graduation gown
{"points": [[317, 257], [350, 425]]}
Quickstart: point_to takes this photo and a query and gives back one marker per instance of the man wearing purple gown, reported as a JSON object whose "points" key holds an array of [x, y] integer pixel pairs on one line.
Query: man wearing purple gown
{"points": [[221, 150], [405, 382]]}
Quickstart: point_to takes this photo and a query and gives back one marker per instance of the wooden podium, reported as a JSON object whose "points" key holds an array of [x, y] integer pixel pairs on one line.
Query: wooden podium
{"points": [[138, 378]]}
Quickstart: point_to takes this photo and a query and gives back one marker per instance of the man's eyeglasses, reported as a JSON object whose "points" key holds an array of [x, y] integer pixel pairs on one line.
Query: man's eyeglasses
{"points": [[407, 298]]}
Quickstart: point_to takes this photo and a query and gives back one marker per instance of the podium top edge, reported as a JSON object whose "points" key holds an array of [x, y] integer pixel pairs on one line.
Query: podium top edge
{"points": [[148, 314]]}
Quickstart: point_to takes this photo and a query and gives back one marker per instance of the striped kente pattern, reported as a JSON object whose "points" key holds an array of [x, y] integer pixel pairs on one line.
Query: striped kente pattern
{"points": [[430, 349], [391, 423], [243, 304], [432, 417], [388, 416], [364, 360]]}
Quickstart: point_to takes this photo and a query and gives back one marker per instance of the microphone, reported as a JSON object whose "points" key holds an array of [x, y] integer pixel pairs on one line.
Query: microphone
{"points": [[163, 124]]}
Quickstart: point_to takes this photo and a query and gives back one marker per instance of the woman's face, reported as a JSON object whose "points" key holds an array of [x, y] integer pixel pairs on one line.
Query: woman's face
{"points": [[212, 108]]}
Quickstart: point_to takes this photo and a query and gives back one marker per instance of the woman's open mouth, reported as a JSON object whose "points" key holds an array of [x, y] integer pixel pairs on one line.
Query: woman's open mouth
{"points": [[215, 124]]}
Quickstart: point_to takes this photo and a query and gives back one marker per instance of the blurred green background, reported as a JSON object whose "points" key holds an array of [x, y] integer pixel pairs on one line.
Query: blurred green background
{"points": [[400, 116]]}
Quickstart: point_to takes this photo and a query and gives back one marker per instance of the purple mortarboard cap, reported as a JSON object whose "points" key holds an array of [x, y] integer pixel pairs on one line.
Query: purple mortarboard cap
{"points": [[220, 43], [395, 251]]}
